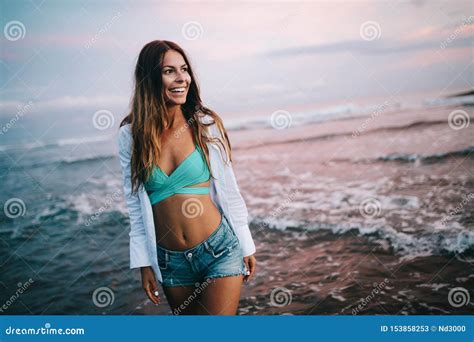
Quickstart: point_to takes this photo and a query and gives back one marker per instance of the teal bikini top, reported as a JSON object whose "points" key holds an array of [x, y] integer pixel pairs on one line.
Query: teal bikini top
{"points": [[192, 170]]}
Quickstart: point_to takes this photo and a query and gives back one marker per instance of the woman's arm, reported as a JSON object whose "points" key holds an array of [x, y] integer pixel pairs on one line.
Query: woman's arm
{"points": [[239, 216], [237, 207], [238, 211], [139, 256]]}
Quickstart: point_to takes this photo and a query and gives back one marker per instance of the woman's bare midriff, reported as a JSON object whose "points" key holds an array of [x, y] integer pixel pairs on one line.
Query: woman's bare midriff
{"points": [[182, 221]]}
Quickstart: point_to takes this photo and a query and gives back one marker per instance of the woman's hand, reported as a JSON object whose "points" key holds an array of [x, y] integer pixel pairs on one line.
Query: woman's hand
{"points": [[149, 284], [251, 264]]}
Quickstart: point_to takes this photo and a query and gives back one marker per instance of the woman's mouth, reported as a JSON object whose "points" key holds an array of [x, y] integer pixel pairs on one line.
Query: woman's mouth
{"points": [[178, 91]]}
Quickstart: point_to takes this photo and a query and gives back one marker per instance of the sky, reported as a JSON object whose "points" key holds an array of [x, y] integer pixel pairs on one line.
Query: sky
{"points": [[70, 59]]}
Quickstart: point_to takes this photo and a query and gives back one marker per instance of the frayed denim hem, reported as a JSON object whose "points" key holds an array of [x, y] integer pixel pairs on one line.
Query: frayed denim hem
{"points": [[225, 275]]}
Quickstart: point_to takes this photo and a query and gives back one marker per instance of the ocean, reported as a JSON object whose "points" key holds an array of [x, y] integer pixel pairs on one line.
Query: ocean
{"points": [[355, 209]]}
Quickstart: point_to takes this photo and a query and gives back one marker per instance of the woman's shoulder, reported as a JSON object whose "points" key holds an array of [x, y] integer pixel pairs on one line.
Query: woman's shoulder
{"points": [[125, 128], [206, 119], [210, 123], [124, 134]]}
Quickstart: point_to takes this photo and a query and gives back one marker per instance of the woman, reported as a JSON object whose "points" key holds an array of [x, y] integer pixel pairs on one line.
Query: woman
{"points": [[188, 220]]}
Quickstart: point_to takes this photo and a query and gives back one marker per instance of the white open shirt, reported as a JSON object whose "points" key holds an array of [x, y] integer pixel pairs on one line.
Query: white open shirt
{"points": [[224, 193]]}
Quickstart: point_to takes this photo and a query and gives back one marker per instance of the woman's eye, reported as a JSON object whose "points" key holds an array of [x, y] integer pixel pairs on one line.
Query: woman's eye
{"points": [[169, 70]]}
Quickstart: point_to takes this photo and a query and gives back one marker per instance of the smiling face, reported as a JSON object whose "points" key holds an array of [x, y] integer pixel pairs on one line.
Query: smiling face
{"points": [[175, 76]]}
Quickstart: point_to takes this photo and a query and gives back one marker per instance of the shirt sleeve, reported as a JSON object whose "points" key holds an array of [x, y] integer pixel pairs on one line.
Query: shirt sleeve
{"points": [[237, 208], [139, 256]]}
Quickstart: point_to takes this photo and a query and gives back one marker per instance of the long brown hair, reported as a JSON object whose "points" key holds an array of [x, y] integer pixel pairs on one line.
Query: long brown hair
{"points": [[148, 115]]}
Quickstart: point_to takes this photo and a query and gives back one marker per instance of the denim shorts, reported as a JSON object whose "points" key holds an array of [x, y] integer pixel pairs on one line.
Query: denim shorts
{"points": [[218, 256]]}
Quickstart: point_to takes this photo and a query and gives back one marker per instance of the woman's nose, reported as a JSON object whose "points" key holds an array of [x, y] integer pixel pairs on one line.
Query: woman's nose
{"points": [[180, 76]]}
